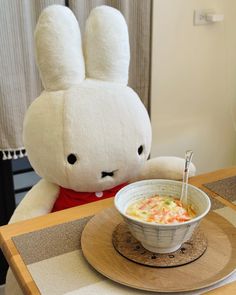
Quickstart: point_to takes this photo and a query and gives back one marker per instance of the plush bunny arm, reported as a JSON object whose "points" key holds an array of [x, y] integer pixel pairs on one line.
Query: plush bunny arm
{"points": [[38, 201], [164, 168]]}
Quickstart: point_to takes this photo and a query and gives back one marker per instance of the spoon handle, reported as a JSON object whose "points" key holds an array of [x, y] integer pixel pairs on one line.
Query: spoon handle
{"points": [[188, 159]]}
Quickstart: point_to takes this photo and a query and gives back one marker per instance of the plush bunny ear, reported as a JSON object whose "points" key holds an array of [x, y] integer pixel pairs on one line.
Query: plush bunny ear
{"points": [[58, 48], [106, 45]]}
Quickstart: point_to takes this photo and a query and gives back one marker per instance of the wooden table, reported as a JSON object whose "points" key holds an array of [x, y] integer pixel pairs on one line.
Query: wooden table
{"points": [[9, 232]]}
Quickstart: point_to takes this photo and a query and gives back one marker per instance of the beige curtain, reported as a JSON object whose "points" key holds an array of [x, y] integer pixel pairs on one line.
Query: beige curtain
{"points": [[19, 79]]}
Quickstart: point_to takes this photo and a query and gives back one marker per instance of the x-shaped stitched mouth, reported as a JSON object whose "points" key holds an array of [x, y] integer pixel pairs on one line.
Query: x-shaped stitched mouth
{"points": [[104, 174]]}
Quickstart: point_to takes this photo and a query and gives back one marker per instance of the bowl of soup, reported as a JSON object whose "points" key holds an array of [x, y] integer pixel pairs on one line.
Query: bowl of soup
{"points": [[156, 217]]}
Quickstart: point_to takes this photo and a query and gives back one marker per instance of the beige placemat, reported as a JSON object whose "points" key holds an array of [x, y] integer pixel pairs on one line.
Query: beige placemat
{"points": [[50, 242], [56, 263], [226, 188]]}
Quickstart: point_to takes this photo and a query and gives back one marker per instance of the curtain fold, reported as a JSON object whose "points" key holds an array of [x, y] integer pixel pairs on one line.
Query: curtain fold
{"points": [[19, 79]]}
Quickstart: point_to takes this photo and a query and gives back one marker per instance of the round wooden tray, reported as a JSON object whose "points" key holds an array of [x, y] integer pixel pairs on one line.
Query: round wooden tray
{"points": [[217, 263]]}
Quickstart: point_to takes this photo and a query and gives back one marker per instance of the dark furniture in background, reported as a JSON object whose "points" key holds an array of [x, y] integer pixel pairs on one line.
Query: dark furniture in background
{"points": [[7, 206], [10, 196]]}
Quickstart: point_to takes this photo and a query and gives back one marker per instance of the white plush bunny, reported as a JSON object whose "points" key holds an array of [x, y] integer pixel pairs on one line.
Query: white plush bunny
{"points": [[87, 131]]}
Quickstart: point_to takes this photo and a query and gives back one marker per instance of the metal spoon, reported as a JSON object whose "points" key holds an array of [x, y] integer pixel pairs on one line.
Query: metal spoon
{"points": [[188, 159]]}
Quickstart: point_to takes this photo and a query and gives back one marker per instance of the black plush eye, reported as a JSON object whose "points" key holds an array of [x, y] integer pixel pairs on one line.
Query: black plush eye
{"points": [[140, 150], [72, 159]]}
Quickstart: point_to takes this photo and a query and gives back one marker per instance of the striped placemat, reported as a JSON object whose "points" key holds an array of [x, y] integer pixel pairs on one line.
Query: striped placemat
{"points": [[226, 188], [55, 260]]}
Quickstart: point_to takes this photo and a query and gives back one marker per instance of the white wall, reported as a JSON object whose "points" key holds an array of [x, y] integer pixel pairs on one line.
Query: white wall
{"points": [[194, 83]]}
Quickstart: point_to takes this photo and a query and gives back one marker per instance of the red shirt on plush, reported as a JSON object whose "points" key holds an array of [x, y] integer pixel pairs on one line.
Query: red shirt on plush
{"points": [[68, 198]]}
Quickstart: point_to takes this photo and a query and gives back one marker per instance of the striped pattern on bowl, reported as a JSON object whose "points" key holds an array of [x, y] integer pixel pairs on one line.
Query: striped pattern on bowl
{"points": [[161, 238]]}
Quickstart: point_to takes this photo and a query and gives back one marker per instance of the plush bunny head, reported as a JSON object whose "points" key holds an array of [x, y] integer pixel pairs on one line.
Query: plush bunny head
{"points": [[87, 131]]}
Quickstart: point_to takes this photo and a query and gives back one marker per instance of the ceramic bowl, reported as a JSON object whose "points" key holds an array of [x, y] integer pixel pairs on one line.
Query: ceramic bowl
{"points": [[161, 238]]}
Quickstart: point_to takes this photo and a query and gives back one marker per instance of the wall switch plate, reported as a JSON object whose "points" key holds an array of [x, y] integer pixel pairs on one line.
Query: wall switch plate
{"points": [[200, 16]]}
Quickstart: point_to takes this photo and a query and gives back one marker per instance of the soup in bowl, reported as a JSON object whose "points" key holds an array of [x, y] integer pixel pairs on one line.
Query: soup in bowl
{"points": [[155, 216]]}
